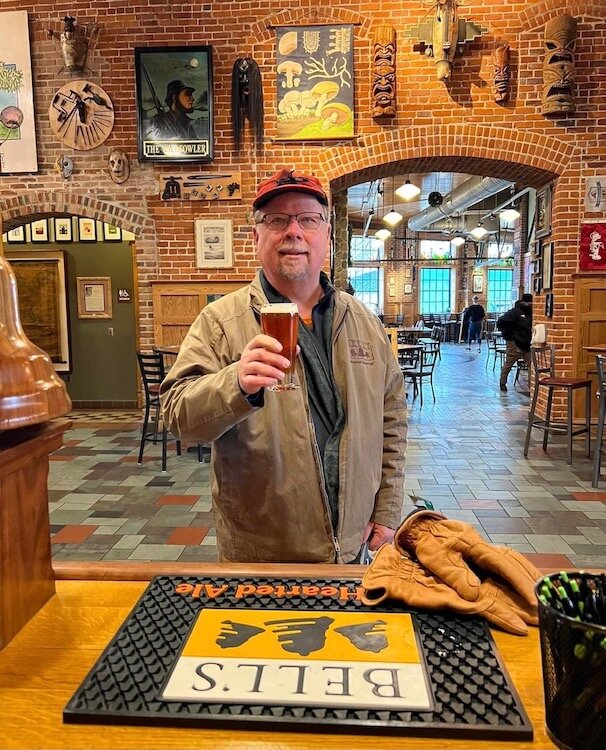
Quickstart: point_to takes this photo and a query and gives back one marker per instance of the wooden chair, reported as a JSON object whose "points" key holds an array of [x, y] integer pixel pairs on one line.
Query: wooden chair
{"points": [[543, 371], [600, 361], [422, 366]]}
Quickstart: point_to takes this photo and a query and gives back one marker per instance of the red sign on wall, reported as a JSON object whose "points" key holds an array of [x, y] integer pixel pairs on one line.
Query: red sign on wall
{"points": [[593, 247]]}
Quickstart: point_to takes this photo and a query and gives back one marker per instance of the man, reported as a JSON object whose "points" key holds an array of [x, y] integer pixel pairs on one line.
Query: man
{"points": [[516, 327], [175, 123], [304, 475], [474, 315]]}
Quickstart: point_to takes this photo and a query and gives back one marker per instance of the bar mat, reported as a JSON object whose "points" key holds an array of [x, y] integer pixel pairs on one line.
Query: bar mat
{"points": [[473, 696]]}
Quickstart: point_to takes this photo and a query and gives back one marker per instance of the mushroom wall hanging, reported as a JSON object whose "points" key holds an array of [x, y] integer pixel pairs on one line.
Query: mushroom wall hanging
{"points": [[443, 35], [314, 82]]}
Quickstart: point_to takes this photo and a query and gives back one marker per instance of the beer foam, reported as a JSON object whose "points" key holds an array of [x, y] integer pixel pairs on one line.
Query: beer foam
{"points": [[283, 308]]}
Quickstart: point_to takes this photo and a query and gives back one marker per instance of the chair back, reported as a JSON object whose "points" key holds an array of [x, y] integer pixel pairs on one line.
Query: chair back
{"points": [[543, 360], [151, 367], [428, 358]]}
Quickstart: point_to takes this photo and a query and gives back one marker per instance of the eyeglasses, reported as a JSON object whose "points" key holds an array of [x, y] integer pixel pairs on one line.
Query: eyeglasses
{"points": [[308, 222]]}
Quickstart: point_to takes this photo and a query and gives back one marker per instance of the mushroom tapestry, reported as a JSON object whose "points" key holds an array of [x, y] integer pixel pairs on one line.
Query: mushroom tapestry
{"points": [[314, 75]]}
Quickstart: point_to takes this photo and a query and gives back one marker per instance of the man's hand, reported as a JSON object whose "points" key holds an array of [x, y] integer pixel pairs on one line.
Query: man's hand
{"points": [[261, 364], [376, 535]]}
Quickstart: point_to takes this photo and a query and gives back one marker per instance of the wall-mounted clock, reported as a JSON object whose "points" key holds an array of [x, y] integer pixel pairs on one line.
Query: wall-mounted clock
{"points": [[81, 114]]}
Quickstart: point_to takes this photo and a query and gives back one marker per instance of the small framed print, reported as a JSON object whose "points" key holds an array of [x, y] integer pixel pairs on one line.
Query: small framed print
{"points": [[543, 212], [477, 283], [213, 243], [111, 233], [87, 229], [536, 283], [39, 230], [94, 296], [16, 235], [549, 305], [547, 261], [407, 288], [63, 229]]}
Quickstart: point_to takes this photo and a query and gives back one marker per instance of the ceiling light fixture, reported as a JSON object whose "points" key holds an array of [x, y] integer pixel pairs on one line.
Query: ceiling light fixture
{"points": [[408, 191], [383, 234], [510, 214], [458, 240], [479, 232], [393, 217]]}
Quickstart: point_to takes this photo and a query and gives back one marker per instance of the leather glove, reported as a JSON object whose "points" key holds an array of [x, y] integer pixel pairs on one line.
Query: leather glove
{"points": [[456, 553], [395, 576]]}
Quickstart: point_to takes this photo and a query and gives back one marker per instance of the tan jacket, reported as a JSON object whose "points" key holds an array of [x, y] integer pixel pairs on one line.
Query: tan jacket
{"points": [[267, 481]]}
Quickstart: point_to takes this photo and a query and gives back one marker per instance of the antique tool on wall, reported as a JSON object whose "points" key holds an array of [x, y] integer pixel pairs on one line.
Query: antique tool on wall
{"points": [[443, 35], [201, 187], [246, 101], [81, 115], [31, 392]]}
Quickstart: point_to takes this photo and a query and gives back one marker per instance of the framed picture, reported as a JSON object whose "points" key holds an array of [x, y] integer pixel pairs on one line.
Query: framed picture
{"points": [[111, 233], [536, 283], [477, 283], [407, 288], [549, 305], [87, 229], [543, 212], [213, 243], [94, 296], [39, 230], [174, 103], [17, 124], [63, 229], [592, 248], [314, 82], [547, 265], [16, 235]]}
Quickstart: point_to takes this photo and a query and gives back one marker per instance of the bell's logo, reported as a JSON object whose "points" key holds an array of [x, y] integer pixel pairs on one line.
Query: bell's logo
{"points": [[361, 351]]}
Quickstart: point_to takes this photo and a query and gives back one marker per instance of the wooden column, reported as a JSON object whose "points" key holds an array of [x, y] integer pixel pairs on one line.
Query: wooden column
{"points": [[26, 576]]}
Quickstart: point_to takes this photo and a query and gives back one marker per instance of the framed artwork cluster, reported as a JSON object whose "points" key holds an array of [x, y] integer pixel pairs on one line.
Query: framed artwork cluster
{"points": [[541, 266], [63, 229]]}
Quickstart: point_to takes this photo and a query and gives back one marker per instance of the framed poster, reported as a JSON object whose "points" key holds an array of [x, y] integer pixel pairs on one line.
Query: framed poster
{"points": [[314, 81], [477, 283], [592, 250], [111, 233], [595, 194], [174, 103], [63, 229], [543, 212], [547, 265], [16, 235], [17, 125], [39, 230], [87, 229], [94, 296], [213, 243]]}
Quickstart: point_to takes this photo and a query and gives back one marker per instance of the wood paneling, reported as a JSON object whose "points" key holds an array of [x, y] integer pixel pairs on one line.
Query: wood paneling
{"points": [[26, 576], [176, 305], [590, 329]]}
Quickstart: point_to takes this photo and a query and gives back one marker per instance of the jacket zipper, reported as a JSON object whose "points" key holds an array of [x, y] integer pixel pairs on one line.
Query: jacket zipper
{"points": [[316, 451]]}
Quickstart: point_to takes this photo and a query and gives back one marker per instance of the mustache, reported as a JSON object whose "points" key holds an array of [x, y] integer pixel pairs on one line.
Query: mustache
{"points": [[290, 248]]}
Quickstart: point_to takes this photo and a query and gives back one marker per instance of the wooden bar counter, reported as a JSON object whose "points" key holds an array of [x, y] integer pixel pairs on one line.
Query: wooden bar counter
{"points": [[44, 664]]}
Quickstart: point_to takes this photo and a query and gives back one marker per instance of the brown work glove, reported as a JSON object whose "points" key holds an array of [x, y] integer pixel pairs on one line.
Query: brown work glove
{"points": [[456, 553], [395, 576]]}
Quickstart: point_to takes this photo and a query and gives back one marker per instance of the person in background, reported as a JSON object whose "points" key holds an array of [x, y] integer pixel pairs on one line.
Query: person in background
{"points": [[516, 327], [308, 475], [474, 315]]}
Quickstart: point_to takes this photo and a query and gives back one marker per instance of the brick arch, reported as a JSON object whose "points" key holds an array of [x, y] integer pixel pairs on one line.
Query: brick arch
{"points": [[533, 16], [525, 157], [263, 32], [41, 203]]}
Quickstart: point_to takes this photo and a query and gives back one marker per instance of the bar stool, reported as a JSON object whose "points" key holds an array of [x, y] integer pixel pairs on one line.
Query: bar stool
{"points": [[600, 362], [543, 368]]}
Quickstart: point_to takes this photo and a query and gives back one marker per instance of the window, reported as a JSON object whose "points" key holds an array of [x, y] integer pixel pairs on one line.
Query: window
{"points": [[366, 249], [498, 299], [439, 250], [435, 291], [368, 283]]}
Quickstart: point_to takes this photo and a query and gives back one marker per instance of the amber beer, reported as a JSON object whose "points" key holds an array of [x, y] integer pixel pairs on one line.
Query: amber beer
{"points": [[281, 321]]}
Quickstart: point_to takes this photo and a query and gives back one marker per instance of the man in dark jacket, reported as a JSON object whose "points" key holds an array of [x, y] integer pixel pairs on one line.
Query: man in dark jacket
{"points": [[516, 327], [474, 316]]}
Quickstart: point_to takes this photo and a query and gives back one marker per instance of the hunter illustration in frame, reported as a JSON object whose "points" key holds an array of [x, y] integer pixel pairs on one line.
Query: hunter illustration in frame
{"points": [[174, 103]]}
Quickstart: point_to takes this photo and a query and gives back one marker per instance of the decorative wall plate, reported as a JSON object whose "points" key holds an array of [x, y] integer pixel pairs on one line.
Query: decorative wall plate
{"points": [[81, 114]]}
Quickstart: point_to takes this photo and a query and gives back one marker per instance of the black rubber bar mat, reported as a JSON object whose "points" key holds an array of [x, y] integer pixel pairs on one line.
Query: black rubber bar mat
{"points": [[472, 693]]}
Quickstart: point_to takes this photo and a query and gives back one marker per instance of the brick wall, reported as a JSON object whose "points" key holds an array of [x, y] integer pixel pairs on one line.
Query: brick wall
{"points": [[449, 128]]}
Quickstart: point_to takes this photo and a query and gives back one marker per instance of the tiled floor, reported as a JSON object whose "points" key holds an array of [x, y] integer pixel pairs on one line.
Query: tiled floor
{"points": [[464, 455]]}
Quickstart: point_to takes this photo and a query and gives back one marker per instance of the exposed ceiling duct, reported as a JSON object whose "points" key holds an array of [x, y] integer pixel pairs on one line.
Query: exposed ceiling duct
{"points": [[461, 198], [464, 224]]}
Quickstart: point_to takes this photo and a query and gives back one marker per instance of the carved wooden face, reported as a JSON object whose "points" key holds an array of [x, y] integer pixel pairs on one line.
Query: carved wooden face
{"points": [[118, 166]]}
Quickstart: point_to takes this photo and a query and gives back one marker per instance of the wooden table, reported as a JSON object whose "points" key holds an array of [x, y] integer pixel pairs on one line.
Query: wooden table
{"points": [[596, 349], [44, 664]]}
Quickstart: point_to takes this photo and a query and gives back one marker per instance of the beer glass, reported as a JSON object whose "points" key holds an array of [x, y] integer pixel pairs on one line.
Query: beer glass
{"points": [[281, 321]]}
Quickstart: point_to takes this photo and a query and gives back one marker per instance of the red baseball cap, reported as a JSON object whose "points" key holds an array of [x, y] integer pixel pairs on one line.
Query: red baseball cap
{"points": [[289, 181]]}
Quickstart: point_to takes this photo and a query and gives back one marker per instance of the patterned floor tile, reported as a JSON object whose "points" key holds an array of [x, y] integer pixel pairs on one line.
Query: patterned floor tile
{"points": [[464, 455]]}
